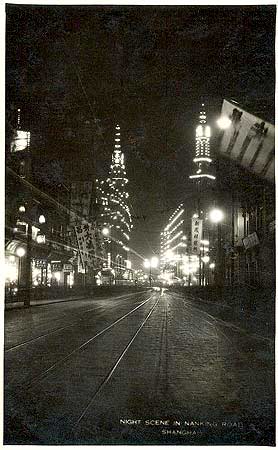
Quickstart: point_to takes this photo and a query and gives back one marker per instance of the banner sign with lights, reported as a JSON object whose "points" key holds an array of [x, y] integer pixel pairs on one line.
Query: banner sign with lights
{"points": [[81, 196], [196, 234], [248, 140], [90, 244]]}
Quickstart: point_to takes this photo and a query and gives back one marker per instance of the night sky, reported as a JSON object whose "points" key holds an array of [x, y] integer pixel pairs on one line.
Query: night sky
{"points": [[147, 68]]}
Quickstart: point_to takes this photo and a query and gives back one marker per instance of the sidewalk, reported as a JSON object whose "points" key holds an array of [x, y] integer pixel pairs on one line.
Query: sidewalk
{"points": [[253, 311], [97, 293], [45, 301]]}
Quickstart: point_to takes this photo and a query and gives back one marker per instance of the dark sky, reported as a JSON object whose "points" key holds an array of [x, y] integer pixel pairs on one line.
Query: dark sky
{"points": [[148, 68]]}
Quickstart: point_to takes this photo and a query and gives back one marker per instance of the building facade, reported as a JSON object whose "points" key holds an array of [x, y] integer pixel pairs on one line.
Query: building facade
{"points": [[41, 250], [173, 247], [38, 250], [247, 196]]}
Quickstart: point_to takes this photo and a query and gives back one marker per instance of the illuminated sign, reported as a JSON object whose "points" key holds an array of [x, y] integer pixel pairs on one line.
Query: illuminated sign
{"points": [[20, 141], [81, 197], [41, 263], [68, 268], [56, 266], [196, 234]]}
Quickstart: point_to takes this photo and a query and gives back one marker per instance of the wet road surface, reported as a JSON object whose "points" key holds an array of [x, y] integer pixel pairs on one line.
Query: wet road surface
{"points": [[138, 368]]}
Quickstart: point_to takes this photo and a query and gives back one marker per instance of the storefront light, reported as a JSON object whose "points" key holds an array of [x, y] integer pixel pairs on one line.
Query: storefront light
{"points": [[36, 272], [40, 238], [10, 272], [71, 279], [205, 259], [57, 276]]}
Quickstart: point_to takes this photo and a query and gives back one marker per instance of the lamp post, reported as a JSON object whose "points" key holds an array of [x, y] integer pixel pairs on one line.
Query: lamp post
{"points": [[211, 273], [20, 252], [106, 233], [204, 257], [216, 216], [27, 217], [149, 264]]}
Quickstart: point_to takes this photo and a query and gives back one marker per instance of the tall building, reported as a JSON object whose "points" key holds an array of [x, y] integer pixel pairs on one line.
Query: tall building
{"points": [[114, 213], [204, 195], [202, 159]]}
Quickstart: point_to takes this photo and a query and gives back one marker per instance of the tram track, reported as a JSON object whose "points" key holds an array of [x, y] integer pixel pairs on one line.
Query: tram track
{"points": [[112, 370], [55, 330], [63, 360]]}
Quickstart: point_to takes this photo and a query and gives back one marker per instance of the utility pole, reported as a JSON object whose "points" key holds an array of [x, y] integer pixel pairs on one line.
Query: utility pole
{"points": [[150, 277], [233, 240], [201, 237], [27, 298]]}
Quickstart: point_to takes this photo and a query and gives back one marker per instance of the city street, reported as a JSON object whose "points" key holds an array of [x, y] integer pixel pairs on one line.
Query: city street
{"points": [[145, 367]]}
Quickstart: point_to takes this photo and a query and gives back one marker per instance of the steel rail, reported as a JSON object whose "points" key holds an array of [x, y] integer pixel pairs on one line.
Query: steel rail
{"points": [[112, 370], [55, 330], [46, 372]]}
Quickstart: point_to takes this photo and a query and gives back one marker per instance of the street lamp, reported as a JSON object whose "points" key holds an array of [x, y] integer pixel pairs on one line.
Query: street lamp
{"points": [[224, 122], [27, 218], [20, 251], [204, 243], [149, 264], [216, 216], [105, 231]]}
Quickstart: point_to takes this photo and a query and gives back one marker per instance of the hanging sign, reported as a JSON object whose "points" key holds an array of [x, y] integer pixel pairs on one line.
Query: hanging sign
{"points": [[40, 263], [56, 266], [68, 268], [196, 233], [90, 244], [251, 240], [81, 199]]}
